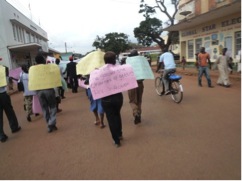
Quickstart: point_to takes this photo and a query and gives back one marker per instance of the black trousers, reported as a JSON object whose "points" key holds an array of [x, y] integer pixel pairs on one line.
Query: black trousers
{"points": [[61, 92], [6, 105], [74, 83], [112, 106]]}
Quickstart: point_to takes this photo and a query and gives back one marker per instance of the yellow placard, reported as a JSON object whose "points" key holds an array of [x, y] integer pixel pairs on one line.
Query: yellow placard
{"points": [[44, 76], [3, 80], [90, 62]]}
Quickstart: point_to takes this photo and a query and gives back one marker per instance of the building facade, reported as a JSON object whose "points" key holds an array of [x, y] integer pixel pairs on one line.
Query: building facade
{"points": [[213, 24], [20, 38]]}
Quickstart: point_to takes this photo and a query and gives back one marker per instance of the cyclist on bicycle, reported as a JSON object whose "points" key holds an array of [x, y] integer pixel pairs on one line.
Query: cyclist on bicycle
{"points": [[168, 61]]}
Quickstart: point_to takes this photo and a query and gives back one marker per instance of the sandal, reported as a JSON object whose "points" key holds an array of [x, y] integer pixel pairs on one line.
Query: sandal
{"points": [[97, 123], [102, 126]]}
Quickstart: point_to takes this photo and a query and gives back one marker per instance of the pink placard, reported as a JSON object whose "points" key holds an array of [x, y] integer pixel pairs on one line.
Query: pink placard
{"points": [[36, 107], [15, 73], [111, 79]]}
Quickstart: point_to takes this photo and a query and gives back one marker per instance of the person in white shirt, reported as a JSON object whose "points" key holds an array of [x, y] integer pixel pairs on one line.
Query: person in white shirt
{"points": [[62, 72], [168, 61], [28, 95], [222, 63]]}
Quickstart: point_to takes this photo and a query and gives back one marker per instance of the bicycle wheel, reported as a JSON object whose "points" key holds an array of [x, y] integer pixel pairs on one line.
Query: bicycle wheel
{"points": [[159, 86], [176, 91]]}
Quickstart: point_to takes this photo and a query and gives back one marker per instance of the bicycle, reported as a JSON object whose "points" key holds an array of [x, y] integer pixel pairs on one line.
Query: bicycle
{"points": [[175, 87]]}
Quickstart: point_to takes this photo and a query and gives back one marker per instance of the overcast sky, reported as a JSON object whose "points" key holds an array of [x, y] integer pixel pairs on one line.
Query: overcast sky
{"points": [[78, 22]]}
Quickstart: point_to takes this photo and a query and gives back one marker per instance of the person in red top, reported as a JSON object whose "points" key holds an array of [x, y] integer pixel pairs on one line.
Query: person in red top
{"points": [[203, 63]]}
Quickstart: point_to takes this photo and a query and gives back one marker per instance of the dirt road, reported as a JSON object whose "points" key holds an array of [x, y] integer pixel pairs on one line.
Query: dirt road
{"points": [[197, 139]]}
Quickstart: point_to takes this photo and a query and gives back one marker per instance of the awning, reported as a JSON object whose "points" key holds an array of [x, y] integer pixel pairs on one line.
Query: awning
{"points": [[25, 47], [223, 11]]}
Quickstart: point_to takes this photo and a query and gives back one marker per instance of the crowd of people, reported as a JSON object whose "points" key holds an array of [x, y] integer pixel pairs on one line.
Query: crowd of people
{"points": [[109, 106]]}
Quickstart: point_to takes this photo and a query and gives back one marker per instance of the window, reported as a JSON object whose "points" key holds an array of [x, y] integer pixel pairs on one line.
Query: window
{"points": [[228, 45], [28, 39], [20, 35], [40, 40], [190, 49], [237, 42], [198, 43], [207, 46], [14, 32], [17, 30], [37, 39], [31, 38], [23, 36]]}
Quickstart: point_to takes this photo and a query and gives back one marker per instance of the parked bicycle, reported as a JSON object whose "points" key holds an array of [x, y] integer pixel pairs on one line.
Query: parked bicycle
{"points": [[175, 87]]}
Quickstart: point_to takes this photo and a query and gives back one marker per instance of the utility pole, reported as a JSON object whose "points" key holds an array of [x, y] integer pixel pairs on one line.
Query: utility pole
{"points": [[65, 47]]}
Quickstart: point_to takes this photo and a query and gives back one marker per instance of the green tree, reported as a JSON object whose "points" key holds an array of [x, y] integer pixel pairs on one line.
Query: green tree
{"points": [[116, 42], [150, 29]]}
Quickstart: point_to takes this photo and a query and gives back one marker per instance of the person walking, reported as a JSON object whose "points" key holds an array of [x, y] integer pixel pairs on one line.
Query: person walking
{"points": [[183, 62], [47, 99], [196, 61], [203, 63], [61, 89], [95, 106], [136, 95], [223, 66], [6, 106], [230, 65], [71, 74], [112, 106], [28, 95]]}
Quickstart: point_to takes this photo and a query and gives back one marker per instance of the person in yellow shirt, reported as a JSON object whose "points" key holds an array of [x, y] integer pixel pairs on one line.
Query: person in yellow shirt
{"points": [[203, 63]]}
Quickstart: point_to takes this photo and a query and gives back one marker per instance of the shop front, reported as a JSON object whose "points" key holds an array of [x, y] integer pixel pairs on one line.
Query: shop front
{"points": [[214, 36]]}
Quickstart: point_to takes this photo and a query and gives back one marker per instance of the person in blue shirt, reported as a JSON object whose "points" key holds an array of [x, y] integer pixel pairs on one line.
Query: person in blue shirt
{"points": [[168, 61]]}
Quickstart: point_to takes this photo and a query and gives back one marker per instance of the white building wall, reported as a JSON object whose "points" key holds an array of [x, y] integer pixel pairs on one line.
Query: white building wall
{"points": [[3, 39], [17, 29]]}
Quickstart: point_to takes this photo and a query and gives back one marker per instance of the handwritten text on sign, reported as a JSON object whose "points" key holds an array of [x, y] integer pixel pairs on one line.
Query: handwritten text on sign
{"points": [[111, 79], [3, 80], [44, 76], [141, 67]]}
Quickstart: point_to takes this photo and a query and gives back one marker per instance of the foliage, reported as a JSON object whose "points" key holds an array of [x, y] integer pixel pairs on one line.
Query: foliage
{"points": [[150, 29], [116, 42]]}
